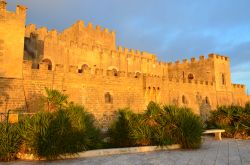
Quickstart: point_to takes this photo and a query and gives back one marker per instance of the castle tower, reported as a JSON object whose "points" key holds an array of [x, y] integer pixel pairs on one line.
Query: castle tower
{"points": [[12, 30], [222, 72]]}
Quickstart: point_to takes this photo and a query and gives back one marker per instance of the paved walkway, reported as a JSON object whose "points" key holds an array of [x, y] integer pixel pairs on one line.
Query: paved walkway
{"points": [[227, 151]]}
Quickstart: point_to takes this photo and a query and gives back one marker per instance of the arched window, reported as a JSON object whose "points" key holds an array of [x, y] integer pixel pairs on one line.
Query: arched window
{"points": [[48, 62], [108, 98], [137, 74], [223, 79], [115, 72], [83, 68], [190, 76]]}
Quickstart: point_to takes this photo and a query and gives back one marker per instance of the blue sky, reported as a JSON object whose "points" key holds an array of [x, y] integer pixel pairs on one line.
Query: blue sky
{"points": [[172, 29]]}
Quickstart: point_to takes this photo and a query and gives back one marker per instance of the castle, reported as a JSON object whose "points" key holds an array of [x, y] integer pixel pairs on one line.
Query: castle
{"points": [[84, 62]]}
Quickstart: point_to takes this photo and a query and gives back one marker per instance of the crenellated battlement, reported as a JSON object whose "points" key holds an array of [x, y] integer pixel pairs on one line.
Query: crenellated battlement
{"points": [[59, 68], [239, 86], [196, 82], [79, 24], [20, 12], [136, 53], [202, 59], [77, 34], [213, 56]]}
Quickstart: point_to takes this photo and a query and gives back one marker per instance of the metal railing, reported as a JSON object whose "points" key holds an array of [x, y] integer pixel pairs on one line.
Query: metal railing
{"points": [[11, 116]]}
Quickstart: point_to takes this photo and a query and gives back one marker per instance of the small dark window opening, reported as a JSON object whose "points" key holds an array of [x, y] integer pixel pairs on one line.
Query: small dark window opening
{"points": [[184, 100], [49, 67], [35, 66], [206, 100], [190, 76], [223, 79], [80, 71], [108, 98], [83, 68], [115, 72], [137, 74]]}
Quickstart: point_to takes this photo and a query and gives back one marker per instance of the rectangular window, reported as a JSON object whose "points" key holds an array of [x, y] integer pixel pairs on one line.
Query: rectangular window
{"points": [[223, 79]]}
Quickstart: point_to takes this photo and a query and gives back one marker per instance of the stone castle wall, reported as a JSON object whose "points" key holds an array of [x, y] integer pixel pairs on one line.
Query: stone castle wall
{"points": [[126, 90], [84, 62]]}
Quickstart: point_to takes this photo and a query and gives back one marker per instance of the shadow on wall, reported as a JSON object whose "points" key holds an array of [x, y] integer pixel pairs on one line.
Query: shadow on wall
{"points": [[33, 50], [204, 106], [33, 102]]}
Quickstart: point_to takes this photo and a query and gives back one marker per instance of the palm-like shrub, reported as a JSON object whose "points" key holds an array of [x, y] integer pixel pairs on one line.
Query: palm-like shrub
{"points": [[65, 131], [157, 126], [184, 126], [247, 107], [149, 128], [140, 130], [234, 119], [55, 99], [10, 141], [84, 123], [119, 129]]}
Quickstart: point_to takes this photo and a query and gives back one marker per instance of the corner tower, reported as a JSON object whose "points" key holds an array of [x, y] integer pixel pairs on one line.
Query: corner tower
{"points": [[12, 31]]}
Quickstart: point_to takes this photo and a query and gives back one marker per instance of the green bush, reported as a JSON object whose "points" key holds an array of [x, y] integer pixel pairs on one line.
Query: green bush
{"points": [[84, 123], [185, 127], [157, 126], [66, 131], [10, 141], [234, 119], [119, 129]]}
